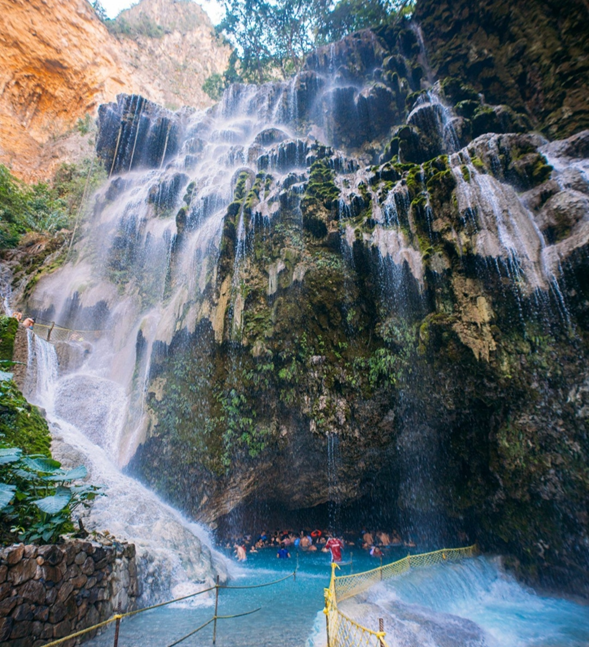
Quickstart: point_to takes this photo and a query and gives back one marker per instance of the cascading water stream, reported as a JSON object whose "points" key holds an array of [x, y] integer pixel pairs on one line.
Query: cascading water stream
{"points": [[430, 113], [506, 231], [334, 459], [174, 556]]}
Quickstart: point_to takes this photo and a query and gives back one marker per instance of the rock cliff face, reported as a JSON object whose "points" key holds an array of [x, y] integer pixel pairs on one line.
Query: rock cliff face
{"points": [[359, 296], [181, 54], [58, 62], [532, 56]]}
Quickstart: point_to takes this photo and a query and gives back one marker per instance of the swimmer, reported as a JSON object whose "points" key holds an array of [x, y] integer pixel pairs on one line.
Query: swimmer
{"points": [[240, 552], [368, 539], [283, 553]]}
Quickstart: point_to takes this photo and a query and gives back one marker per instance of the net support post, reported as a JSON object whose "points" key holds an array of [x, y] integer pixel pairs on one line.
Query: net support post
{"points": [[326, 611], [117, 629], [216, 609], [381, 633]]}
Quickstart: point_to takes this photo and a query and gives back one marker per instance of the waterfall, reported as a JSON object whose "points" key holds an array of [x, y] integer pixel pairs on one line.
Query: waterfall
{"points": [[430, 113], [174, 556], [211, 222]]}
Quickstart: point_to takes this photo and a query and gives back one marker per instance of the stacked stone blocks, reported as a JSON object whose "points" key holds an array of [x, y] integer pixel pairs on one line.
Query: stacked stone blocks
{"points": [[49, 592]]}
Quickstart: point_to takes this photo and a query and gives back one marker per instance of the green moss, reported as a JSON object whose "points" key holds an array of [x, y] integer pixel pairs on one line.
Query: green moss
{"points": [[441, 184], [412, 98], [466, 108], [321, 185], [241, 186], [541, 170], [21, 424], [528, 169], [478, 163], [189, 191], [457, 91], [485, 120], [414, 179], [8, 328]]}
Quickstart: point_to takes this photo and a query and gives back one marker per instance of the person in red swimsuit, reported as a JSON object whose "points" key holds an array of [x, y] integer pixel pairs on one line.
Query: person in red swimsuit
{"points": [[335, 546]]}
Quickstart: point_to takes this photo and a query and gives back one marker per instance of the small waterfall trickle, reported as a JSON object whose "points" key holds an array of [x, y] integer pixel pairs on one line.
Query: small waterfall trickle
{"points": [[334, 460], [506, 232], [431, 114]]}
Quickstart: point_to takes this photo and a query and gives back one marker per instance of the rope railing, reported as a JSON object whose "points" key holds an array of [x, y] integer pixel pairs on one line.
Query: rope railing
{"points": [[118, 617], [342, 631], [52, 333]]}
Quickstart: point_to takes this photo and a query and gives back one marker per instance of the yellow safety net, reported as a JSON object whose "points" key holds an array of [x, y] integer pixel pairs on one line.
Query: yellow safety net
{"points": [[345, 632]]}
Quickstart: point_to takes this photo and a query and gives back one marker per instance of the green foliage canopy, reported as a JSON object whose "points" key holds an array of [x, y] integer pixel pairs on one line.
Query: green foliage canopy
{"points": [[272, 37]]}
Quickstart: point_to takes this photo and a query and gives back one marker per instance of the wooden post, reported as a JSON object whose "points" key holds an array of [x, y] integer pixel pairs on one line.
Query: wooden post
{"points": [[50, 330], [117, 628], [216, 608], [381, 630]]}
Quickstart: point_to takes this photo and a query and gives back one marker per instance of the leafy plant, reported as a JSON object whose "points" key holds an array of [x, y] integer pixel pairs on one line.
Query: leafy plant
{"points": [[214, 86], [100, 10], [38, 497], [142, 26], [44, 207]]}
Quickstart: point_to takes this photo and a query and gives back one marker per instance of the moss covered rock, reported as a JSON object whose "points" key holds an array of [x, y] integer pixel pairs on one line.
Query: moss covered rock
{"points": [[21, 424], [8, 328]]}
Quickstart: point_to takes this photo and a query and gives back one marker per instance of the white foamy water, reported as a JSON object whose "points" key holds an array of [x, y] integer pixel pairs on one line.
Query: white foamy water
{"points": [[473, 603], [174, 556]]}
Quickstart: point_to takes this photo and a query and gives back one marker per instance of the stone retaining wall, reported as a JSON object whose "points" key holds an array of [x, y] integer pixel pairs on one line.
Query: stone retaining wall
{"points": [[48, 592], [20, 355]]}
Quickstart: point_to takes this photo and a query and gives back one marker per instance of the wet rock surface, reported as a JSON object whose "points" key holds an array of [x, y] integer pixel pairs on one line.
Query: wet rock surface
{"points": [[491, 45], [48, 592]]}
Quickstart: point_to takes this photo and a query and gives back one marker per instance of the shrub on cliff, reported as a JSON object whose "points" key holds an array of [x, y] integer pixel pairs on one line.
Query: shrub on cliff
{"points": [[26, 208], [44, 207]]}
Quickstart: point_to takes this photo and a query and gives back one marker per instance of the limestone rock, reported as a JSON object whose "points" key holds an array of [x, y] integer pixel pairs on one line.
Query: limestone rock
{"points": [[59, 63]]}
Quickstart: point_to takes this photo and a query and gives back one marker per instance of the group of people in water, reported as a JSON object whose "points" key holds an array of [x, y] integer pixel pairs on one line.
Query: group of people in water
{"points": [[285, 541]]}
